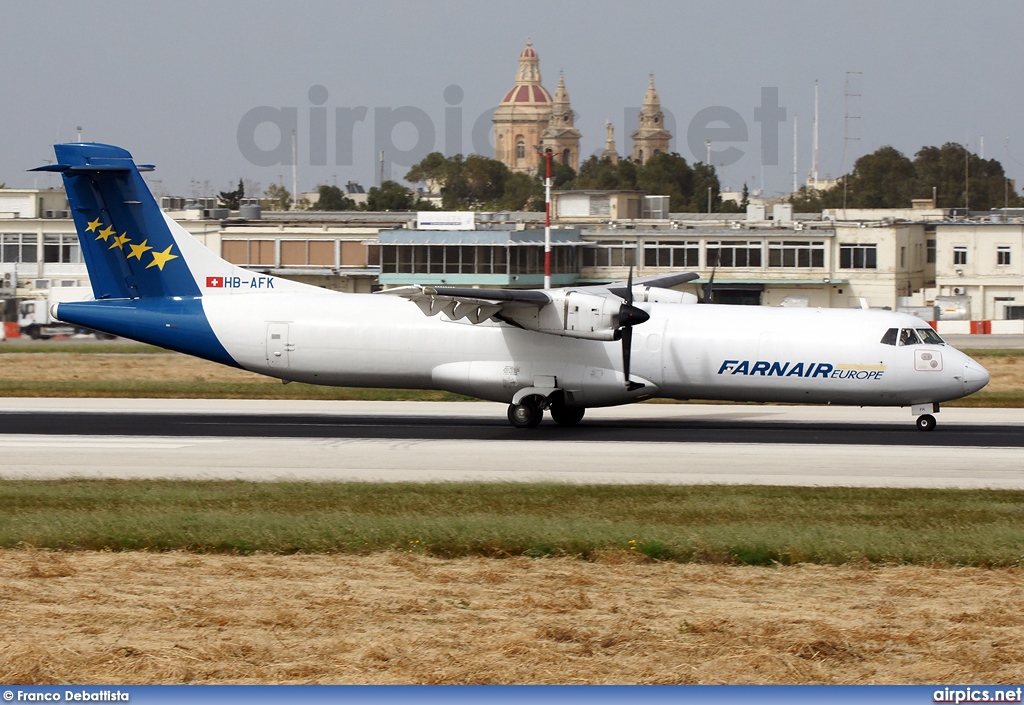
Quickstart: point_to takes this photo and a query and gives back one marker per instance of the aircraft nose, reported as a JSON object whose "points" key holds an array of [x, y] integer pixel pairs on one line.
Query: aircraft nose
{"points": [[975, 377]]}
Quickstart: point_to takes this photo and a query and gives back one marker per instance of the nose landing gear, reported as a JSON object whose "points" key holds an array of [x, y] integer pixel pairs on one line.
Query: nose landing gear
{"points": [[923, 412], [925, 422]]}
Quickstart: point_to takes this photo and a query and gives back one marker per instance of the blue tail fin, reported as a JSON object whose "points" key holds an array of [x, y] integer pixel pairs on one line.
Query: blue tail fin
{"points": [[127, 244]]}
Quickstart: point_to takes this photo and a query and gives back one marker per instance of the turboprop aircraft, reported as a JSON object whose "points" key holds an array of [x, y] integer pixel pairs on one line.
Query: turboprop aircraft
{"points": [[560, 350]]}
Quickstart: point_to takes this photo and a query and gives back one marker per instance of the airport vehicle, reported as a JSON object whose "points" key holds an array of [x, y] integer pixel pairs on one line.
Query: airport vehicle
{"points": [[36, 321], [560, 350]]}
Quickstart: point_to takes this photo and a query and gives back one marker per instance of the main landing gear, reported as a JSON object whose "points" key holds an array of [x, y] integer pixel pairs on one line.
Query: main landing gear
{"points": [[529, 412], [925, 422]]}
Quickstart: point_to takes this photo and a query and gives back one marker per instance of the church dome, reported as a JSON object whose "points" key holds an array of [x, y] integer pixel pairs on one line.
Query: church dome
{"points": [[527, 95], [528, 90]]}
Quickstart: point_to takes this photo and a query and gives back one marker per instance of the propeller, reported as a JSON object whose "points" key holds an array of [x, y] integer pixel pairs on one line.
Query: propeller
{"points": [[629, 316], [706, 298]]}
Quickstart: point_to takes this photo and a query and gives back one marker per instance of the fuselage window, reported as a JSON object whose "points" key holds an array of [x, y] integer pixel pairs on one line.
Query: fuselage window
{"points": [[890, 336], [930, 337], [908, 336]]}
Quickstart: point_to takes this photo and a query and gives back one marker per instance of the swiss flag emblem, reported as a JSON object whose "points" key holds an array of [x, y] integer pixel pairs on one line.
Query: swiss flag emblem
{"points": [[215, 282]]}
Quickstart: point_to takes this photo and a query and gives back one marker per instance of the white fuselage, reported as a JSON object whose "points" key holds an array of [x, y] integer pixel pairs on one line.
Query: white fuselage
{"points": [[683, 352]]}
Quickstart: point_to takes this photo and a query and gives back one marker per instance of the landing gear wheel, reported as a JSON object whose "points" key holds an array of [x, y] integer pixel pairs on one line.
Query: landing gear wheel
{"points": [[525, 414], [925, 422], [566, 415]]}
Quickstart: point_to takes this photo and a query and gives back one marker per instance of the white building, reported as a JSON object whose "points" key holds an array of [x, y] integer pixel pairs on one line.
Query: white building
{"points": [[883, 259]]}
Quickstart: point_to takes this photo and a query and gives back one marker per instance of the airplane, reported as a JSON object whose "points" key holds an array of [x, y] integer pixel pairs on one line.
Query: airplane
{"points": [[558, 350]]}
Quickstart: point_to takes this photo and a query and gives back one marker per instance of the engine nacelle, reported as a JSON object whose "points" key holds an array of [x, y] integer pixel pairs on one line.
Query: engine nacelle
{"points": [[578, 314]]}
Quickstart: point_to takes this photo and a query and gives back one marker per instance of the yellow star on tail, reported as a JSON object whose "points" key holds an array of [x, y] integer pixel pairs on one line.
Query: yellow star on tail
{"points": [[105, 233], [120, 241], [162, 258], [93, 224], [138, 250]]}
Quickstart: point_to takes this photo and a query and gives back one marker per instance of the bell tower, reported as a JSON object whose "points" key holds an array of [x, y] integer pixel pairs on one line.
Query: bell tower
{"points": [[650, 136], [561, 135]]}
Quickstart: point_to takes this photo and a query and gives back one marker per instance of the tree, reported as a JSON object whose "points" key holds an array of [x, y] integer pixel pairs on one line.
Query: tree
{"points": [[745, 198], [961, 179], [602, 174], [231, 199], [432, 171], [279, 197], [883, 179], [389, 196], [705, 181], [670, 175], [521, 192], [332, 199], [470, 182]]}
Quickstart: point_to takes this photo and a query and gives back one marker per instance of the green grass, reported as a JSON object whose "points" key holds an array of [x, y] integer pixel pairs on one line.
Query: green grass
{"points": [[743, 525], [991, 400], [995, 352]]}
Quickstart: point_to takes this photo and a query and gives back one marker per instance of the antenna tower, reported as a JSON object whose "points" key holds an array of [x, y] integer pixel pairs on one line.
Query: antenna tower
{"points": [[849, 86], [794, 154], [814, 156]]}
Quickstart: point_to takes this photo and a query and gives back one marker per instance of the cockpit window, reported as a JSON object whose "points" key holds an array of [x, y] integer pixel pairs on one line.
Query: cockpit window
{"points": [[930, 337], [909, 337], [890, 336]]}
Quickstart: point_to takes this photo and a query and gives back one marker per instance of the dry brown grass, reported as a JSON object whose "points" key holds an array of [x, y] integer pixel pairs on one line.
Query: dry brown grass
{"points": [[400, 618], [1007, 373], [103, 367]]}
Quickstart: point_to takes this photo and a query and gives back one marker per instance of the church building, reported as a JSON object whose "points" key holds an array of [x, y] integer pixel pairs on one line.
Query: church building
{"points": [[528, 118]]}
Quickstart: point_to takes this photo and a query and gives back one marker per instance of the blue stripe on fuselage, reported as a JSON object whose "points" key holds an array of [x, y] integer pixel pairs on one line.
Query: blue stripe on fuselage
{"points": [[175, 323]]}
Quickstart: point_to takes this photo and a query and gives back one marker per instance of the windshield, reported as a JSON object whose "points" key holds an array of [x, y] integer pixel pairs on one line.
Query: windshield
{"points": [[930, 337], [909, 337]]}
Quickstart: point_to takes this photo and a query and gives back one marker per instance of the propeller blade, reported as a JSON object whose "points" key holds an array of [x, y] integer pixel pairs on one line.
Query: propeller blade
{"points": [[629, 316], [627, 345], [706, 299]]}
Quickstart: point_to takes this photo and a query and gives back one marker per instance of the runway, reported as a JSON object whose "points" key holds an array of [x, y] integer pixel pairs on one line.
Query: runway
{"points": [[421, 441]]}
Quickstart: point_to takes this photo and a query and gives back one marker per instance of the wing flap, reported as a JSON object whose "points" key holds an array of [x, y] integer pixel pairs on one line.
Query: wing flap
{"points": [[474, 305]]}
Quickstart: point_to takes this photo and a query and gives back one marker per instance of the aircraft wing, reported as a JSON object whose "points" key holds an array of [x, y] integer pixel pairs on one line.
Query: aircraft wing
{"points": [[475, 305], [660, 281]]}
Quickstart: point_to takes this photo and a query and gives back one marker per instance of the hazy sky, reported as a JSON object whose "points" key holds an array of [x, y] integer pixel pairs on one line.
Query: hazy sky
{"points": [[172, 81]]}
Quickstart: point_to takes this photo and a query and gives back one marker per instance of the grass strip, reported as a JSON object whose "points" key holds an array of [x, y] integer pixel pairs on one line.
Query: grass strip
{"points": [[991, 400], [979, 353], [722, 524]]}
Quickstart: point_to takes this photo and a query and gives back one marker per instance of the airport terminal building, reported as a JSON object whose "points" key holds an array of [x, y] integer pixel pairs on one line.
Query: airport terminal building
{"points": [[971, 267]]}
